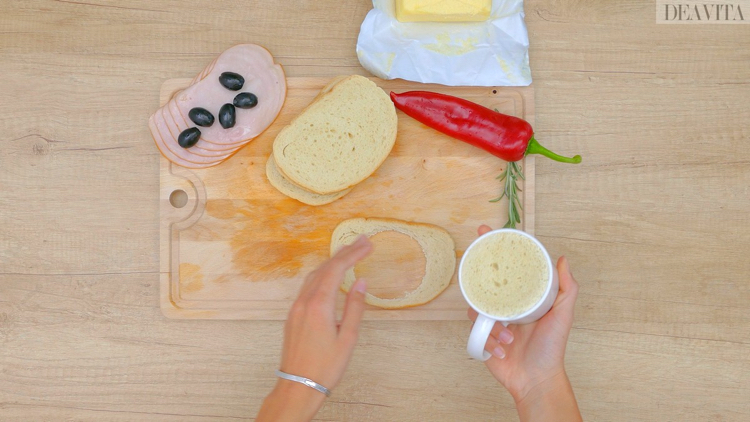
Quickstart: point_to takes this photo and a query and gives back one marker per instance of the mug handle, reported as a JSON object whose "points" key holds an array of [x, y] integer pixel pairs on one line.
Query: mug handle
{"points": [[480, 332]]}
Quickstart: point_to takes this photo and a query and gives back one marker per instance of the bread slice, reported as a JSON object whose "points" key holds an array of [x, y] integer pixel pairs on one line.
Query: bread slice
{"points": [[437, 245], [293, 190], [283, 185], [340, 139], [326, 89]]}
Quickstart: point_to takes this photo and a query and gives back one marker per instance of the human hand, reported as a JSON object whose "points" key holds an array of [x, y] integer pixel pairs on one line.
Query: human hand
{"points": [[315, 345], [526, 357]]}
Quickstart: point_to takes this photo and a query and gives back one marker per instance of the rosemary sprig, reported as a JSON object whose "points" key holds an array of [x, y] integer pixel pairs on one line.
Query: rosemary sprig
{"points": [[510, 177]]}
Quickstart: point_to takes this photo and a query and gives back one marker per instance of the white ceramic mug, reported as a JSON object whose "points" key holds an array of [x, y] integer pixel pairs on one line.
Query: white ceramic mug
{"points": [[484, 323]]}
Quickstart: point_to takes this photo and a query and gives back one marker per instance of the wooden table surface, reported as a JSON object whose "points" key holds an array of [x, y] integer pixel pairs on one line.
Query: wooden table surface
{"points": [[655, 221]]}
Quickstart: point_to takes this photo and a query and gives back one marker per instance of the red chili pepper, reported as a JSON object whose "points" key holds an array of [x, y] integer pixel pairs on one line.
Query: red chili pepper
{"points": [[507, 137]]}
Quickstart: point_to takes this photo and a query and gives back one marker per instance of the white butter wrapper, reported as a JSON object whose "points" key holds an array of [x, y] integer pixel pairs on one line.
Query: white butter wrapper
{"points": [[490, 53]]}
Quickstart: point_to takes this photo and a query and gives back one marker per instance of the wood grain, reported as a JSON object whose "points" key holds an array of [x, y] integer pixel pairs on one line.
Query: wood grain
{"points": [[239, 249], [655, 220]]}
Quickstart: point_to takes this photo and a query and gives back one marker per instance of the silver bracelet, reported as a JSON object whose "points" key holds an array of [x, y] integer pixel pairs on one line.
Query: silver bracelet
{"points": [[302, 380]]}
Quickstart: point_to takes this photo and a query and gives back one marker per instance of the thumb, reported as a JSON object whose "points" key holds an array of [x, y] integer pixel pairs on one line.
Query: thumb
{"points": [[353, 310], [568, 294]]}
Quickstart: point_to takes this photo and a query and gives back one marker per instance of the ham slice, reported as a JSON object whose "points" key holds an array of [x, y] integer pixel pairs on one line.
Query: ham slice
{"points": [[262, 77]]}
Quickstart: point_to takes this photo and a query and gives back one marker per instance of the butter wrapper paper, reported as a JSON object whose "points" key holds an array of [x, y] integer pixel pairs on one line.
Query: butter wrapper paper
{"points": [[490, 53]]}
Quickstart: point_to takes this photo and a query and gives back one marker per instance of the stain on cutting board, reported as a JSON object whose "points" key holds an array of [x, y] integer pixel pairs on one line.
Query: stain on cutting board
{"points": [[191, 278], [265, 249]]}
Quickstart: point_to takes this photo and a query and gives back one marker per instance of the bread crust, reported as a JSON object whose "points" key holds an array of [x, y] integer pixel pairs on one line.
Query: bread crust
{"points": [[440, 257], [294, 191]]}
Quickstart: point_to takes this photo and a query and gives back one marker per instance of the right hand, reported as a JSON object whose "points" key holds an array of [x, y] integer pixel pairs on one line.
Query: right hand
{"points": [[316, 346], [528, 356]]}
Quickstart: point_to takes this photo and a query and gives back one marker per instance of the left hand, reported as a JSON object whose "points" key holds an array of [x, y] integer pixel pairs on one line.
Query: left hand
{"points": [[535, 351]]}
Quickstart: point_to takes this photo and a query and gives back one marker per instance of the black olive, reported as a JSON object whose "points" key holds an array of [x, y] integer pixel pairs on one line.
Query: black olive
{"points": [[245, 100], [189, 137], [232, 81], [201, 117], [227, 116]]}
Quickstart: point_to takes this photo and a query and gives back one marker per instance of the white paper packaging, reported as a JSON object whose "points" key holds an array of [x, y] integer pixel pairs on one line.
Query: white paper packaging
{"points": [[490, 53]]}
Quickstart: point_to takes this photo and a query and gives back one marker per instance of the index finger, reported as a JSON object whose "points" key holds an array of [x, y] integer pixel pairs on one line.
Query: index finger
{"points": [[484, 229], [332, 272]]}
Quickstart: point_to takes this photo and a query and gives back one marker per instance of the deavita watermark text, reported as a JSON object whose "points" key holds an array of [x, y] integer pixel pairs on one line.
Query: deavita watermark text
{"points": [[703, 12]]}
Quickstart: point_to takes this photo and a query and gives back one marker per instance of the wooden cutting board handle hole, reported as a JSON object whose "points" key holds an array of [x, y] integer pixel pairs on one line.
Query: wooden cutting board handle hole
{"points": [[178, 198]]}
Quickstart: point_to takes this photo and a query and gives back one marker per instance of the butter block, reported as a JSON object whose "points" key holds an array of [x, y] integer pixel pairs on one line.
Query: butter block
{"points": [[443, 10]]}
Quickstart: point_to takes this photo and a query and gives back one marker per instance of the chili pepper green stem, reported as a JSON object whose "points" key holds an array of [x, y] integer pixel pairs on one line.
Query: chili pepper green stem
{"points": [[537, 148]]}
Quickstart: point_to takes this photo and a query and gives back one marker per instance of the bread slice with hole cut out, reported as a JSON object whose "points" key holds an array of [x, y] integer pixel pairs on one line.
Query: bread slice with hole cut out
{"points": [[438, 247], [283, 185], [340, 139]]}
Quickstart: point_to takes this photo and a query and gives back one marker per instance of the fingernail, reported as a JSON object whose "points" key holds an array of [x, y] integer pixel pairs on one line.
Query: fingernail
{"points": [[361, 239], [506, 336], [360, 286], [499, 352]]}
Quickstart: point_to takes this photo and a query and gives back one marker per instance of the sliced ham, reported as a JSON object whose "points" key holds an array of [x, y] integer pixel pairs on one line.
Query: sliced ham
{"points": [[205, 72], [175, 129], [182, 122], [168, 154], [187, 156], [262, 77]]}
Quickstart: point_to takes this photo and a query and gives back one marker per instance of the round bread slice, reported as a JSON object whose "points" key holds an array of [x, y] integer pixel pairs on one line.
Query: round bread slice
{"points": [[437, 245], [283, 185], [340, 139]]}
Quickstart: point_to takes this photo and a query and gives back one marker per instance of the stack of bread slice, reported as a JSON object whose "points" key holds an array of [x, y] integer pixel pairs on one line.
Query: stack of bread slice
{"points": [[338, 141]]}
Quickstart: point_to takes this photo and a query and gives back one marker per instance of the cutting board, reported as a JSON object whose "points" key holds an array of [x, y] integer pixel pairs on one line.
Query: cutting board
{"points": [[233, 247]]}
